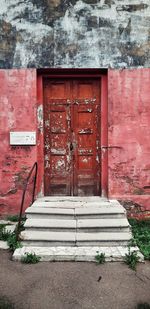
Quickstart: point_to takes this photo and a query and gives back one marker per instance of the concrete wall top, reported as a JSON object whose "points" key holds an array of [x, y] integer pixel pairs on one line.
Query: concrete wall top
{"points": [[74, 34]]}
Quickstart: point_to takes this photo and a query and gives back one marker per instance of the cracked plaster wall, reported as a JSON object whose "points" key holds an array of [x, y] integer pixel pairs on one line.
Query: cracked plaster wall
{"points": [[129, 135], [74, 34], [17, 97]]}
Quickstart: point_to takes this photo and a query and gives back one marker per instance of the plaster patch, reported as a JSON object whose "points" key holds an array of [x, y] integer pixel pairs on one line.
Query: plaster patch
{"points": [[40, 117]]}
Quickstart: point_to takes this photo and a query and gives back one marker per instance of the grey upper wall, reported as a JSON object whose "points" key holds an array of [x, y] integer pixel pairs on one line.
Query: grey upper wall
{"points": [[74, 34]]}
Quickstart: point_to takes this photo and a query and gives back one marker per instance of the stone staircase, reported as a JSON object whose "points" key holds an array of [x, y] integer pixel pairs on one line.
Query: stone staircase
{"points": [[67, 228]]}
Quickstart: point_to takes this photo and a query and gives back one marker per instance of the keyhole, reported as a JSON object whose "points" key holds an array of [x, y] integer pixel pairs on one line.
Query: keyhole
{"points": [[71, 146]]}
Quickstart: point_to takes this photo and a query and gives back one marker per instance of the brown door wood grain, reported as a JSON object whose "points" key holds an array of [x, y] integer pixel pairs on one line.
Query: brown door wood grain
{"points": [[72, 136]]}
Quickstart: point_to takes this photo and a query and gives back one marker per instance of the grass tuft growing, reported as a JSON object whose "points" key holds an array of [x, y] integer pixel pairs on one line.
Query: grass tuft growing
{"points": [[10, 237], [131, 259], [6, 303], [15, 218], [30, 258], [141, 234], [13, 243], [100, 258]]}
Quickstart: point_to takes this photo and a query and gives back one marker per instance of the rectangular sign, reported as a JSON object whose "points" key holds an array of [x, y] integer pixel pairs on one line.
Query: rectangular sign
{"points": [[22, 138]]}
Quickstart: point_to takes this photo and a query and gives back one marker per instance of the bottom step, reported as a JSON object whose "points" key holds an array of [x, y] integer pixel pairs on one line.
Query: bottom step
{"points": [[75, 253]]}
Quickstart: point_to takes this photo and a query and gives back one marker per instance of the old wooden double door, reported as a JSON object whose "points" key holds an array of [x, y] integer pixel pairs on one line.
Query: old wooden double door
{"points": [[72, 136]]}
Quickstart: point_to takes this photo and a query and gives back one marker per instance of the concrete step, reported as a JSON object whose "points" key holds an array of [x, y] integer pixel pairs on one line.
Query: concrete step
{"points": [[103, 225], [103, 238], [87, 225], [75, 253], [100, 212], [49, 212], [71, 198], [74, 202], [48, 239], [50, 224], [75, 222], [80, 212], [70, 204], [44, 238]]}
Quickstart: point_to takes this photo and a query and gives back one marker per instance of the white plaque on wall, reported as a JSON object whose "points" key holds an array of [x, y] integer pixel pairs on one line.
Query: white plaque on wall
{"points": [[22, 138]]}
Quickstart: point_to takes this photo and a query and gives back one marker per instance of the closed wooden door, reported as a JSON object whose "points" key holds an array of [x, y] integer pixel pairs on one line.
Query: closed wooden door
{"points": [[72, 136]]}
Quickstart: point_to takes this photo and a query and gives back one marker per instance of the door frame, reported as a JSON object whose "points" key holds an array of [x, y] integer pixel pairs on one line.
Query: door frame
{"points": [[62, 73]]}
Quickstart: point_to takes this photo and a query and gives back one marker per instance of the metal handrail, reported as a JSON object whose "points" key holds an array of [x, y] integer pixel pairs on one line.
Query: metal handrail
{"points": [[34, 167]]}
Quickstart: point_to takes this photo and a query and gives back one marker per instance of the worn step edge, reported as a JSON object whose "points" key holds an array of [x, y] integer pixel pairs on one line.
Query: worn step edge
{"points": [[42, 243], [100, 210], [79, 205], [77, 211], [92, 229], [102, 223], [72, 236], [75, 253], [79, 223], [50, 223], [80, 230], [36, 216], [48, 243], [72, 198], [49, 210], [69, 217], [48, 236], [106, 236]]}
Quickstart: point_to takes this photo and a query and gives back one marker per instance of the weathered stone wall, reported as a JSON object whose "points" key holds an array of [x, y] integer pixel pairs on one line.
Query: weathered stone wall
{"points": [[62, 33]]}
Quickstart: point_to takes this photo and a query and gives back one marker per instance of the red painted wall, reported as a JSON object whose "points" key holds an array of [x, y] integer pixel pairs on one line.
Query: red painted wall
{"points": [[129, 135], [17, 112]]}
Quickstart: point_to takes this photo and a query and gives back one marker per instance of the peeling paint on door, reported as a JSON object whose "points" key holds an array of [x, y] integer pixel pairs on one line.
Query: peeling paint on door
{"points": [[71, 138]]}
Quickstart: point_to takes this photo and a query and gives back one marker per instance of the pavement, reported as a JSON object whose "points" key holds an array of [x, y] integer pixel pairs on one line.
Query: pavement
{"points": [[73, 285]]}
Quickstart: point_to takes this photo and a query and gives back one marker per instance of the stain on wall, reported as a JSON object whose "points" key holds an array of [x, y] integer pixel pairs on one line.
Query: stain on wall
{"points": [[17, 113], [75, 34], [8, 37], [129, 135]]}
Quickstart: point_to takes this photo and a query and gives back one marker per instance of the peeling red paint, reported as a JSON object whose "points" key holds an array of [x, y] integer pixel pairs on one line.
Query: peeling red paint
{"points": [[125, 147], [129, 130], [72, 136], [17, 113]]}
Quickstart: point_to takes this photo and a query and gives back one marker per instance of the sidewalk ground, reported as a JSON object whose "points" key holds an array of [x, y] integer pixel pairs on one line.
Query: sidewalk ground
{"points": [[73, 285]]}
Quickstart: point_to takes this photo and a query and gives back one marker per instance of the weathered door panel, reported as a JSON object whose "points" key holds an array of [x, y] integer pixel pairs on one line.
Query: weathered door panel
{"points": [[58, 169], [72, 137], [87, 137]]}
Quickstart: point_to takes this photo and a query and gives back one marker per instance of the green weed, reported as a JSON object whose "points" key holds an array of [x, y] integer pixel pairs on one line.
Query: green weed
{"points": [[10, 237], [15, 218], [5, 303], [30, 258], [131, 259], [143, 306], [4, 234], [2, 227], [13, 243], [100, 258], [141, 234]]}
